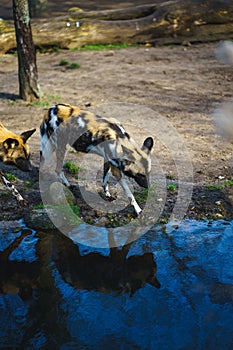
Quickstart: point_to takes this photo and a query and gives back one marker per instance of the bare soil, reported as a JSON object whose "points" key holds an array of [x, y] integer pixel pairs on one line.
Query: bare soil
{"points": [[167, 92]]}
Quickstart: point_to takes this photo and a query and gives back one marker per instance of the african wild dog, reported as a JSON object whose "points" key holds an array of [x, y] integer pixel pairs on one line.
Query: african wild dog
{"points": [[86, 132], [14, 148]]}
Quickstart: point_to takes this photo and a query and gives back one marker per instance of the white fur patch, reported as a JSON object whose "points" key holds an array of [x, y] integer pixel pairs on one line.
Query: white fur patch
{"points": [[53, 120], [81, 122], [122, 129], [48, 154]]}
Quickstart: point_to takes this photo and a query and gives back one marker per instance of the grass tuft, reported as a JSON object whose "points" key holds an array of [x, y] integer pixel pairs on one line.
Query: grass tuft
{"points": [[71, 167]]}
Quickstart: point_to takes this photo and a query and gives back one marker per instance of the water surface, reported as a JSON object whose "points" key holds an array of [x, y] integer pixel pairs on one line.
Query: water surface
{"points": [[167, 290]]}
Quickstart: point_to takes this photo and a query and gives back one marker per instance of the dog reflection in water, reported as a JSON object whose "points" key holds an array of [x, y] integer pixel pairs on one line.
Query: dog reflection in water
{"points": [[94, 271], [112, 273]]}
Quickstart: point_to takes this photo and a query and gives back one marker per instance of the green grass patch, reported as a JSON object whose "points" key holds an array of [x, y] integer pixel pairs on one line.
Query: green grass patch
{"points": [[145, 194], [228, 183], [216, 187], [219, 187], [105, 46], [10, 177], [171, 187], [69, 65], [46, 100], [63, 62], [5, 193], [38, 206], [71, 167], [73, 65]]}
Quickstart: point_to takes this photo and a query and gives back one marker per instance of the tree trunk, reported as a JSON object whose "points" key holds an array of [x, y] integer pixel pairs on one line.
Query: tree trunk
{"points": [[27, 68]]}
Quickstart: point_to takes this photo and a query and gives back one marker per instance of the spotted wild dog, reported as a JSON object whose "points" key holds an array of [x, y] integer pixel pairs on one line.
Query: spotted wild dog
{"points": [[14, 148], [86, 132]]}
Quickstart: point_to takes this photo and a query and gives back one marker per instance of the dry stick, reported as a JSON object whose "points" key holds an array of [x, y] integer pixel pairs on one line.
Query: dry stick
{"points": [[12, 189]]}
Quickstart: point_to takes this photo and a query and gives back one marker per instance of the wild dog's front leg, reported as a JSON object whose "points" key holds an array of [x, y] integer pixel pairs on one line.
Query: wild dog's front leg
{"points": [[130, 195], [120, 177], [105, 181]]}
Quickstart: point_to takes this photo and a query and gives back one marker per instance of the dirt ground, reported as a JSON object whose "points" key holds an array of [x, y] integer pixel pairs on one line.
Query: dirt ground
{"points": [[167, 92]]}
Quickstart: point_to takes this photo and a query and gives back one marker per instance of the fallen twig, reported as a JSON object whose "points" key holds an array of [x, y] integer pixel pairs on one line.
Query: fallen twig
{"points": [[12, 189]]}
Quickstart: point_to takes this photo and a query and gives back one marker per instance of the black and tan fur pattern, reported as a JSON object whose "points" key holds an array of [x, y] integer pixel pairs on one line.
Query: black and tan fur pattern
{"points": [[86, 132], [14, 148]]}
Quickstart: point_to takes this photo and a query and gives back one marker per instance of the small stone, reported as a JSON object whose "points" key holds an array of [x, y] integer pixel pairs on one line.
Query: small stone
{"points": [[109, 53], [75, 9]]}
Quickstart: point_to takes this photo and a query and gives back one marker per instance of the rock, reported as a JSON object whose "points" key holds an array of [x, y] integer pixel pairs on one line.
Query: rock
{"points": [[43, 219], [75, 9], [11, 225]]}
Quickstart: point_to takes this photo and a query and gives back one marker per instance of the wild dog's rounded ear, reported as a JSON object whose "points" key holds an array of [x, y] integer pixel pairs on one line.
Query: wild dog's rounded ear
{"points": [[26, 134], [147, 145], [10, 143]]}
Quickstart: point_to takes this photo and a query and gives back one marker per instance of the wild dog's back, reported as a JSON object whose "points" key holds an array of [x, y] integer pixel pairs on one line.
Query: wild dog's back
{"points": [[98, 128]]}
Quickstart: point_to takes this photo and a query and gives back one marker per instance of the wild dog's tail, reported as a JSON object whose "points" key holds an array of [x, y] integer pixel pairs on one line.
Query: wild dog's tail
{"points": [[223, 116]]}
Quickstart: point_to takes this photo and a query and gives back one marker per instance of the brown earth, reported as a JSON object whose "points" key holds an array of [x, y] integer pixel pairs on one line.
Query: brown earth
{"points": [[167, 92]]}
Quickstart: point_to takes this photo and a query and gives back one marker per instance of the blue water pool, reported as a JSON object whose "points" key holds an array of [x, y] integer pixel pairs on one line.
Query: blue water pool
{"points": [[167, 290]]}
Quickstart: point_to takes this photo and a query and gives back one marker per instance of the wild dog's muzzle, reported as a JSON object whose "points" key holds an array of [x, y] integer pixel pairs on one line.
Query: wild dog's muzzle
{"points": [[23, 164], [142, 180]]}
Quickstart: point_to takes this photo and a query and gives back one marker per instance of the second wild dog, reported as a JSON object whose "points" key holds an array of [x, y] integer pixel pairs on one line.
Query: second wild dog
{"points": [[14, 148]]}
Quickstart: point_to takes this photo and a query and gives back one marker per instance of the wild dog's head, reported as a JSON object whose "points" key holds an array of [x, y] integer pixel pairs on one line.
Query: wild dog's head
{"points": [[136, 162], [14, 148]]}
